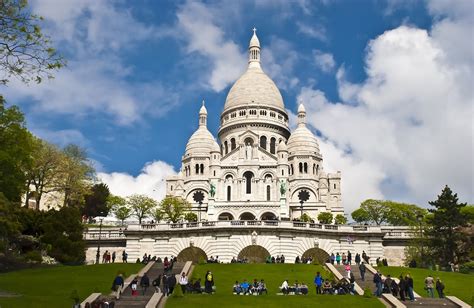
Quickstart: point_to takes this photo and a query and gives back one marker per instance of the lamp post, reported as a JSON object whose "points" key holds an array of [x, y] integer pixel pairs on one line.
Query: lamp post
{"points": [[97, 256], [419, 217], [303, 195], [198, 196]]}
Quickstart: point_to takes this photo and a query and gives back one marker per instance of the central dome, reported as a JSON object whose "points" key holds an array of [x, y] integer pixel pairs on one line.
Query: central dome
{"points": [[254, 87]]}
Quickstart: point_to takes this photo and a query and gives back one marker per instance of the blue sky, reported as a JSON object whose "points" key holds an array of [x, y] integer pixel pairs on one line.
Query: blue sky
{"points": [[387, 85]]}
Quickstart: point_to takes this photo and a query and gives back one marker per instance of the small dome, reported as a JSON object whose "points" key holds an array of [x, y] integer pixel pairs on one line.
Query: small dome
{"points": [[216, 148], [301, 108], [282, 147], [203, 109], [201, 142], [303, 141], [254, 41]]}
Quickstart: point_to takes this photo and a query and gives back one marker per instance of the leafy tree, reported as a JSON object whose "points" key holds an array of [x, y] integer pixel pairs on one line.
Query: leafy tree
{"points": [[305, 218], [191, 217], [122, 212], [10, 226], [447, 242], [63, 236], [45, 171], [340, 219], [175, 208], [157, 214], [376, 210], [325, 218], [360, 216], [25, 52], [141, 205], [468, 211], [115, 201], [76, 173], [402, 214], [96, 201], [15, 151]]}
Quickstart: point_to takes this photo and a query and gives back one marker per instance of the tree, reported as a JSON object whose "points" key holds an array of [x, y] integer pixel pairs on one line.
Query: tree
{"points": [[360, 216], [376, 210], [44, 174], [386, 211], [96, 201], [325, 218], [174, 208], [64, 236], [122, 212], [340, 219], [10, 226], [446, 241], [157, 214], [305, 218], [141, 205], [190, 217], [15, 151], [76, 174], [25, 52]]}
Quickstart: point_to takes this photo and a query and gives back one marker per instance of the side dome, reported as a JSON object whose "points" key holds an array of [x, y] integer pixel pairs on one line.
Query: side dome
{"points": [[200, 143], [303, 141]]}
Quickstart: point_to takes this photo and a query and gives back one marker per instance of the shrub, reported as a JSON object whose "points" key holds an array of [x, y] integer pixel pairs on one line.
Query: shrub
{"points": [[178, 292], [202, 260], [34, 256], [367, 293], [467, 268]]}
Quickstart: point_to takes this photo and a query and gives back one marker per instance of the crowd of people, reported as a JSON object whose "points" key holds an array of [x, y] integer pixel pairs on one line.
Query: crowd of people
{"points": [[347, 258], [246, 288], [277, 259], [108, 257]]}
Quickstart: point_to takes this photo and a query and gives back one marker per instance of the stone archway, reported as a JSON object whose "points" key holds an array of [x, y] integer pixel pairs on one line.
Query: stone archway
{"points": [[254, 254], [194, 254], [317, 254], [225, 216], [247, 216]]}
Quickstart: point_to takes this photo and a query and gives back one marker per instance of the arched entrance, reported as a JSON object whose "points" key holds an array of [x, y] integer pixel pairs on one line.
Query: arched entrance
{"points": [[247, 216], [225, 216], [317, 254], [194, 254], [268, 216], [254, 254]]}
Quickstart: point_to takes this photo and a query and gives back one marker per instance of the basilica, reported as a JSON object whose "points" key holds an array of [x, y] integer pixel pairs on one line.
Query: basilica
{"points": [[257, 169]]}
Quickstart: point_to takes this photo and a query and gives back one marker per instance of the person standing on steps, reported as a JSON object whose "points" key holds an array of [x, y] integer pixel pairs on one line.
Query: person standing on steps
{"points": [[144, 283], [429, 286], [338, 258], [409, 285], [318, 282], [402, 286], [156, 283], [362, 271], [333, 258], [440, 287], [348, 270], [165, 284], [117, 286], [344, 258], [171, 284], [349, 257], [378, 284], [357, 259]]}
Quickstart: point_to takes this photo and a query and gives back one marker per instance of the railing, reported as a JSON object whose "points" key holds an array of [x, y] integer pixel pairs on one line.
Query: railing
{"points": [[103, 235]]}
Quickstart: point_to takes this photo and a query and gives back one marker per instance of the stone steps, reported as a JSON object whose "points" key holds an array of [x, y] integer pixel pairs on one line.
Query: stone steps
{"points": [[430, 302]]}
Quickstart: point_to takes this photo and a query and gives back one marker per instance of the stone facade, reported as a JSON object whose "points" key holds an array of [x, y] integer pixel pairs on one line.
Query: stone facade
{"points": [[259, 167]]}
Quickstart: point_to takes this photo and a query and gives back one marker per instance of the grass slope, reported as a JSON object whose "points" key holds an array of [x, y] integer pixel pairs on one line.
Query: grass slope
{"points": [[456, 284], [225, 276], [52, 287]]}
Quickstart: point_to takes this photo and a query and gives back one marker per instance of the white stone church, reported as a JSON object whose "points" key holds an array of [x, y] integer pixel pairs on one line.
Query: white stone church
{"points": [[257, 167]]}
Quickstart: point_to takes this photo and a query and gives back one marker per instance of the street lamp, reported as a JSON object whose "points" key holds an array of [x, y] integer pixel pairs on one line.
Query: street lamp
{"points": [[198, 196], [303, 195], [97, 256], [419, 217]]}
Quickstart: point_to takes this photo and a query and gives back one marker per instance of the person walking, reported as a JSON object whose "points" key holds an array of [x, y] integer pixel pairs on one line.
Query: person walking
{"points": [[409, 285], [348, 270], [208, 282], [338, 258], [171, 284], [349, 257], [344, 258], [144, 283], [333, 258], [183, 281], [429, 286], [440, 287], [318, 282], [114, 255], [156, 283], [378, 284], [117, 285], [134, 286], [402, 287], [362, 271], [124, 257], [165, 284], [357, 259]]}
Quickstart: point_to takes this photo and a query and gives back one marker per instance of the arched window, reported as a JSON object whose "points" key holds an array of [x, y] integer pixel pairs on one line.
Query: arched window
{"points": [[202, 168], [334, 186], [317, 169], [226, 147], [248, 141], [248, 182], [263, 142], [272, 145], [197, 168], [232, 144], [229, 193], [301, 167], [229, 178], [268, 178], [292, 170], [305, 167], [282, 172], [214, 172], [314, 168], [268, 192]]}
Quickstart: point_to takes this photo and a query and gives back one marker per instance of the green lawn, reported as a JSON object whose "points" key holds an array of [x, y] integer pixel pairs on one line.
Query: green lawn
{"points": [[52, 286], [226, 274], [459, 285]]}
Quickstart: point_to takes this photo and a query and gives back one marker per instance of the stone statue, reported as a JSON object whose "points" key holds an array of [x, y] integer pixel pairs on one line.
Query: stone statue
{"points": [[213, 190], [282, 188], [248, 151]]}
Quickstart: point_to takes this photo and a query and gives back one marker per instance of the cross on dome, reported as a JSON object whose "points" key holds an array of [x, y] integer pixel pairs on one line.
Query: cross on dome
{"points": [[254, 30]]}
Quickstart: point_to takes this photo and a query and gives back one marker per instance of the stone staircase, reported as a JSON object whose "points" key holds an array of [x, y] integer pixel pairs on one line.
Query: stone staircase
{"points": [[141, 300], [366, 283], [430, 302]]}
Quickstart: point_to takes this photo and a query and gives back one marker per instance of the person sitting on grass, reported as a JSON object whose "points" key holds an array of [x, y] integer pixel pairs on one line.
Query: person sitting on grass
{"points": [[304, 288], [245, 287], [284, 287], [197, 286], [254, 287], [296, 288], [262, 287], [190, 286], [237, 288], [327, 287]]}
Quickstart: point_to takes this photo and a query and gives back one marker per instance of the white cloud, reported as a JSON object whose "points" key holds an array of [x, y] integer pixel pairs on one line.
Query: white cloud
{"points": [[317, 32], [61, 137], [278, 61], [151, 181], [410, 123], [325, 61]]}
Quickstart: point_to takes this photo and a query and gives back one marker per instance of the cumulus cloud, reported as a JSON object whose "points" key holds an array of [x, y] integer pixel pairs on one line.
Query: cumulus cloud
{"points": [[316, 32], [150, 181], [279, 58], [409, 123], [324, 61]]}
